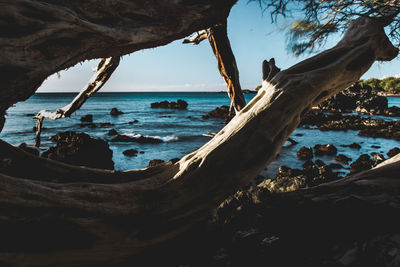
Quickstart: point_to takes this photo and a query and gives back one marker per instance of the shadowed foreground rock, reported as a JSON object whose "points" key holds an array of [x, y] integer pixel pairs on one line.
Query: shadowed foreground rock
{"points": [[260, 227], [80, 149]]}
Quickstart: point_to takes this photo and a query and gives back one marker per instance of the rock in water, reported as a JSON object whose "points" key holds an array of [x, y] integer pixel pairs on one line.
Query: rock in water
{"points": [[137, 139], [359, 98], [329, 150], [155, 162], [130, 152], [305, 153], [393, 152], [87, 118], [115, 112], [353, 145], [180, 104], [342, 159], [112, 132], [220, 112], [80, 149]]}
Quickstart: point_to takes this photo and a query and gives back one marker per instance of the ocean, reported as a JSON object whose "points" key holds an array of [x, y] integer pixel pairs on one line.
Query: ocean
{"points": [[181, 130]]}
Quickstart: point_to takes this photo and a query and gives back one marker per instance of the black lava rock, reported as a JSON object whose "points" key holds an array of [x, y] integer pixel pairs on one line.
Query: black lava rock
{"points": [[80, 149], [130, 153], [180, 104], [115, 112], [87, 118]]}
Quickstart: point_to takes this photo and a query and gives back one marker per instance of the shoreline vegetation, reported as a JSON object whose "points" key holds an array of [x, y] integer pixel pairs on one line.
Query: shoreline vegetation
{"points": [[389, 86]]}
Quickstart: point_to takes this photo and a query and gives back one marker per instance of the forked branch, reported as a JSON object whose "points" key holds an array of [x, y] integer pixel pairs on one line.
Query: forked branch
{"points": [[219, 42], [105, 69]]}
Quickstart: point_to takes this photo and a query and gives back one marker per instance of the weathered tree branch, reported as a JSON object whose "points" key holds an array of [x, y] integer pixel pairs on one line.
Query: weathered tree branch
{"points": [[269, 70], [219, 41], [105, 69], [221, 47], [121, 220], [197, 37]]}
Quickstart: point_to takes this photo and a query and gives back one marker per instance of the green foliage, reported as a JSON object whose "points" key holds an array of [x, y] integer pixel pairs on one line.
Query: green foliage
{"points": [[305, 35], [389, 85], [321, 18], [258, 87]]}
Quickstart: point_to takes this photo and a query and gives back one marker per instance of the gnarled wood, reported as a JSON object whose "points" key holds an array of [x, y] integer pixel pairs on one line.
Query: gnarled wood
{"points": [[91, 223], [39, 38]]}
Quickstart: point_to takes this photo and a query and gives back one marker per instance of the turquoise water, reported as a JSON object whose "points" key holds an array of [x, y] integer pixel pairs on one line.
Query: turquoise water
{"points": [[180, 130]]}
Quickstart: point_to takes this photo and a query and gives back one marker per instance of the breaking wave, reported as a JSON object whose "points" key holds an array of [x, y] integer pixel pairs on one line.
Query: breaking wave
{"points": [[168, 138]]}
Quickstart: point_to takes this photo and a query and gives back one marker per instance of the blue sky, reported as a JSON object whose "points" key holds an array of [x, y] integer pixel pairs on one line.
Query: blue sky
{"points": [[178, 67]]}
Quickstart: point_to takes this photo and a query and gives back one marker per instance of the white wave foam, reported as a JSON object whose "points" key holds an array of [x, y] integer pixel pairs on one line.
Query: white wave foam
{"points": [[168, 138]]}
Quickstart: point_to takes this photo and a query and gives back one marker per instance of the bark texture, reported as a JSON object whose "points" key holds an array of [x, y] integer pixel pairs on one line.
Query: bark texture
{"points": [[92, 223], [226, 62], [219, 41], [39, 38]]}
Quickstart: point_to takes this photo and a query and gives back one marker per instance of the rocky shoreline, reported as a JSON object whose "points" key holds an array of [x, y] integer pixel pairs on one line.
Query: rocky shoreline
{"points": [[244, 230]]}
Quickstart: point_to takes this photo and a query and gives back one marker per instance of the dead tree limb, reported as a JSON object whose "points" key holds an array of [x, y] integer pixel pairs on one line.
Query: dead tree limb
{"points": [[218, 37], [92, 223], [219, 41], [197, 37], [105, 69], [39, 125]]}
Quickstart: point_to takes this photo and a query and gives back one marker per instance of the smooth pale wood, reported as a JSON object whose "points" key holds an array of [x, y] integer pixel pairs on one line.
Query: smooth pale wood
{"points": [[114, 222], [105, 69]]}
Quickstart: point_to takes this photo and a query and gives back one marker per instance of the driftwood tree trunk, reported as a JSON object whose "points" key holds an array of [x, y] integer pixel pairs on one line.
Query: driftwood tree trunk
{"points": [[39, 38], [48, 223]]}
